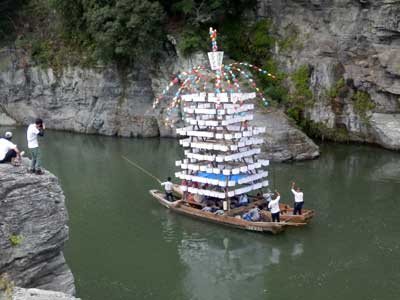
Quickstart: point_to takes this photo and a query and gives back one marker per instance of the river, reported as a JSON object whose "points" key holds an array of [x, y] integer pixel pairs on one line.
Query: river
{"points": [[124, 245]]}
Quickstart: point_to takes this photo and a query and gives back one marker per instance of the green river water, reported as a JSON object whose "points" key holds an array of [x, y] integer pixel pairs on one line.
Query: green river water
{"points": [[124, 245]]}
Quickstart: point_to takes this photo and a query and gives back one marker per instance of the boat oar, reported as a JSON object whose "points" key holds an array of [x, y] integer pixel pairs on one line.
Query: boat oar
{"points": [[141, 169]]}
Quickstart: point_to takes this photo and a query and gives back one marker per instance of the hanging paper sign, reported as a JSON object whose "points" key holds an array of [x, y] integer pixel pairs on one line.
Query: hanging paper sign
{"points": [[188, 97], [211, 97], [223, 97], [215, 59], [202, 96], [235, 97], [217, 98]]}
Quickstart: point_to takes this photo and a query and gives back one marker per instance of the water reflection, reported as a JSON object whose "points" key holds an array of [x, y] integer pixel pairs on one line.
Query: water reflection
{"points": [[389, 172], [297, 249], [222, 263], [275, 255]]}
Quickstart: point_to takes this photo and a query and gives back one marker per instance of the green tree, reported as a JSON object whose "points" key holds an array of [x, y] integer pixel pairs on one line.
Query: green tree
{"points": [[118, 30], [199, 12], [8, 10], [302, 95], [72, 14]]}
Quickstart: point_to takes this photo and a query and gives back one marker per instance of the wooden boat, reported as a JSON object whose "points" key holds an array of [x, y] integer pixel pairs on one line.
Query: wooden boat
{"points": [[182, 207], [287, 214], [286, 210]]}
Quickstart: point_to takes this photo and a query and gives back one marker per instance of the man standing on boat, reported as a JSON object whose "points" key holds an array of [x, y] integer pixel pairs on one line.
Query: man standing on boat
{"points": [[274, 206], [168, 185], [298, 199]]}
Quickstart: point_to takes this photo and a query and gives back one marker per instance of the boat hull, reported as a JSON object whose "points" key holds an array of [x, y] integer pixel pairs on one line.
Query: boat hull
{"points": [[226, 220], [287, 215], [286, 211]]}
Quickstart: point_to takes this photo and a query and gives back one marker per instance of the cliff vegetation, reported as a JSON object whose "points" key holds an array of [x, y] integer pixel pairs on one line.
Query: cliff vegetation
{"points": [[117, 32]]}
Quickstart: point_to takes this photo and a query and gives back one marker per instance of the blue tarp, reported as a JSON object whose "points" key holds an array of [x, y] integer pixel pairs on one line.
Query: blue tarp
{"points": [[221, 177]]}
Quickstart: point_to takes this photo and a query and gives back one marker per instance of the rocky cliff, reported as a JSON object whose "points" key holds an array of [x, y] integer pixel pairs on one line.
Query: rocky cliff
{"points": [[33, 230], [352, 48], [100, 101], [79, 100]]}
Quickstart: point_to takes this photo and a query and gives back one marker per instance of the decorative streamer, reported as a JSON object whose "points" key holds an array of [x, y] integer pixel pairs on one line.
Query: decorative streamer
{"points": [[197, 79]]}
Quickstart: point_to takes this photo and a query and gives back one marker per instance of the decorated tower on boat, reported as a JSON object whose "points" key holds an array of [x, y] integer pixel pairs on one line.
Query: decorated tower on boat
{"points": [[221, 147]]}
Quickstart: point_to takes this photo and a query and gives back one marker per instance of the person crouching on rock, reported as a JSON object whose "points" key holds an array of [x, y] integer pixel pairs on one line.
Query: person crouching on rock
{"points": [[34, 130], [8, 151]]}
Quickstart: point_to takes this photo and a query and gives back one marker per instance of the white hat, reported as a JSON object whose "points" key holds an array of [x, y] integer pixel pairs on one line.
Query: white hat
{"points": [[8, 134]]}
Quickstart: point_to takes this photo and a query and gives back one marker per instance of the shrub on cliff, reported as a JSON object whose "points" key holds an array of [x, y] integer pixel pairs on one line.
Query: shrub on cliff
{"points": [[119, 31], [6, 287], [8, 10], [206, 12]]}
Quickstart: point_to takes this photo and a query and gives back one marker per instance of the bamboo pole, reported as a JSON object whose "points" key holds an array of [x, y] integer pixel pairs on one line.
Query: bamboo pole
{"points": [[141, 169]]}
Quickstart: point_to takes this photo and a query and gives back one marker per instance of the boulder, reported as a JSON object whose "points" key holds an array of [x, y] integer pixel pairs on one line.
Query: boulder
{"points": [[386, 130], [283, 141]]}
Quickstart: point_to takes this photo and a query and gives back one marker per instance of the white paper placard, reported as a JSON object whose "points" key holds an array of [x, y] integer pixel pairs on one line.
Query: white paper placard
{"points": [[215, 59]]}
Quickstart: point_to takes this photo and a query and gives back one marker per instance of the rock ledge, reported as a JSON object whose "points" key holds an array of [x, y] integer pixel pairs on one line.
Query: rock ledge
{"points": [[33, 230]]}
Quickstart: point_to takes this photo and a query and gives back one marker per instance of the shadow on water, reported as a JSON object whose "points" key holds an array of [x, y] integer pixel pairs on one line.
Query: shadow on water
{"points": [[124, 245]]}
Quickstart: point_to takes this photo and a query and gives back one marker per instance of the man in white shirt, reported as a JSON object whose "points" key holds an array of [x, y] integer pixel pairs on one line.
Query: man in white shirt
{"points": [[34, 130], [273, 205], [298, 199], [168, 185], [8, 151]]}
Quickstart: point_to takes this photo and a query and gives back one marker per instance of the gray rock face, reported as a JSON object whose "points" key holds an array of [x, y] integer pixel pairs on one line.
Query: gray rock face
{"points": [[94, 101], [6, 120], [33, 230], [80, 100], [358, 41], [37, 294], [99, 102], [386, 127], [283, 141]]}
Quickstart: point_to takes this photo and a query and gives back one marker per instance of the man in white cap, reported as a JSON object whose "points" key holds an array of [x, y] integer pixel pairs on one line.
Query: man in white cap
{"points": [[8, 151]]}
